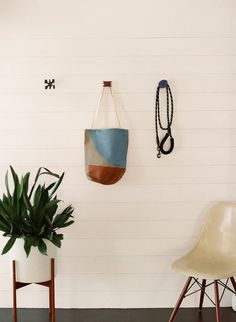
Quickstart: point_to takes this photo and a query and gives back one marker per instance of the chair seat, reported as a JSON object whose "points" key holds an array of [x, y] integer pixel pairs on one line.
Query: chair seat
{"points": [[205, 265]]}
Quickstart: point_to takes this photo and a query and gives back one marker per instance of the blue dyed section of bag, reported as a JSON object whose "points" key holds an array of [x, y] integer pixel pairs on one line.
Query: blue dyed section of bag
{"points": [[112, 144]]}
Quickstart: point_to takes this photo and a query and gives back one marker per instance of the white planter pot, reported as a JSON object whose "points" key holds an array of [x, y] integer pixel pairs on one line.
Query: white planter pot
{"points": [[234, 302], [36, 267]]}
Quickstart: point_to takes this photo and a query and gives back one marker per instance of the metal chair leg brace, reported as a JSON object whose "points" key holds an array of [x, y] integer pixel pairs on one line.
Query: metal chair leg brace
{"points": [[202, 287]]}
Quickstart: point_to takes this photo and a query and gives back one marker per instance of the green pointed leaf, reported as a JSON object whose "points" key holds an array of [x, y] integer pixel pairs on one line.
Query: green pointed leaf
{"points": [[67, 224], [35, 181], [20, 189], [63, 217], [56, 240], [7, 185], [26, 182], [4, 227], [50, 173], [57, 184], [42, 247], [9, 245], [50, 186], [51, 204], [37, 196], [27, 202], [27, 247], [50, 235], [51, 211], [14, 175]]}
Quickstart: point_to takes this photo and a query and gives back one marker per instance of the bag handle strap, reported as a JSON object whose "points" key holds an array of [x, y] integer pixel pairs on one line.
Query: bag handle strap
{"points": [[106, 84]]}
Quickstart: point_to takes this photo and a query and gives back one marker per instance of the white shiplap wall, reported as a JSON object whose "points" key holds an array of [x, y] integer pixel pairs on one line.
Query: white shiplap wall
{"points": [[118, 253]]}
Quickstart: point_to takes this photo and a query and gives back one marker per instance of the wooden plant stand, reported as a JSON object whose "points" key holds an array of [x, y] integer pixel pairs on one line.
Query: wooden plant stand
{"points": [[50, 284]]}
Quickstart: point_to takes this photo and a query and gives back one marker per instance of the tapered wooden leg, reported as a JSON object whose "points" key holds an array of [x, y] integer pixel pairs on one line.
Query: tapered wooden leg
{"points": [[202, 295], [174, 312], [217, 301], [50, 300], [233, 283], [14, 291], [52, 290]]}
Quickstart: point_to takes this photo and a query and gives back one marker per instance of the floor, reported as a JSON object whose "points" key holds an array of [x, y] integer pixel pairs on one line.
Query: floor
{"points": [[117, 315]]}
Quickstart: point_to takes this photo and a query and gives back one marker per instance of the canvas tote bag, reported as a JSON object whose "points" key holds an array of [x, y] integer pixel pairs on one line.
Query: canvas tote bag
{"points": [[106, 148]]}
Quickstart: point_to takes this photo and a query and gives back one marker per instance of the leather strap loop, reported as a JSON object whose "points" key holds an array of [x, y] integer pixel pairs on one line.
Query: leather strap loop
{"points": [[163, 141]]}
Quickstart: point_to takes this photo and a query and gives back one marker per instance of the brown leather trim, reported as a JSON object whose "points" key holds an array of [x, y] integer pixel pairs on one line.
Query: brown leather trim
{"points": [[105, 175]]}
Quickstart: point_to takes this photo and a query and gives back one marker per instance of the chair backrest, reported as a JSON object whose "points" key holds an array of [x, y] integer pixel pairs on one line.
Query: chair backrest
{"points": [[219, 231]]}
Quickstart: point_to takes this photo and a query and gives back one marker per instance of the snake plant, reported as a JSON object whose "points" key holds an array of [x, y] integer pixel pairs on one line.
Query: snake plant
{"points": [[32, 212]]}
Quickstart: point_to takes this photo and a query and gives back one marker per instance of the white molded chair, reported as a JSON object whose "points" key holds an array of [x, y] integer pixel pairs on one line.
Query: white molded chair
{"points": [[212, 258]]}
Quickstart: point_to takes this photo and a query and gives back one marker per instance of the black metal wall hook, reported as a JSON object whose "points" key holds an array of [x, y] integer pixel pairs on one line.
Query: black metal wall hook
{"points": [[50, 83], [163, 83]]}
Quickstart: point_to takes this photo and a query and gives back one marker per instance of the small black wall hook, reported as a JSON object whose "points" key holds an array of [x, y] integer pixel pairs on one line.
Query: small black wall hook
{"points": [[50, 83], [163, 83]]}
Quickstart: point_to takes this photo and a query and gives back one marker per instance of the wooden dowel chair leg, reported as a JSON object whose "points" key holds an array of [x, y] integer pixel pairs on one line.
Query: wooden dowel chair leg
{"points": [[14, 291], [217, 301], [174, 312], [233, 283], [202, 295]]}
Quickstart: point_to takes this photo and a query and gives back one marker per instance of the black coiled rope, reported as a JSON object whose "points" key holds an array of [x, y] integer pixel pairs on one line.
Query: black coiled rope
{"points": [[169, 119]]}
